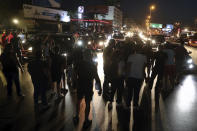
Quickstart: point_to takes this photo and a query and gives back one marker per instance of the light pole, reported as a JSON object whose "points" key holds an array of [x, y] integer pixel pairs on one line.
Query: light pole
{"points": [[148, 21], [152, 7]]}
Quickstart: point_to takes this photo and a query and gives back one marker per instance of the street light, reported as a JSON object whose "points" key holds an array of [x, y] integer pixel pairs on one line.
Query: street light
{"points": [[152, 7], [15, 21]]}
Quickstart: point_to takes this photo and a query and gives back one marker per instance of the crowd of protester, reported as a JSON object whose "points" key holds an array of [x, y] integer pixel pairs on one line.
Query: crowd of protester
{"points": [[127, 64]]}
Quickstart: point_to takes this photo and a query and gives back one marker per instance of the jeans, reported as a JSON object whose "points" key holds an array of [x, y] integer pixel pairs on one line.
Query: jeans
{"points": [[39, 89], [159, 73], [117, 85], [106, 84], [10, 77], [134, 86]]}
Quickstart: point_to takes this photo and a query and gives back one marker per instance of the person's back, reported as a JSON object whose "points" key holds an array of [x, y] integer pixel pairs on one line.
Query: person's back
{"points": [[57, 63], [36, 69], [181, 53], [171, 56], [138, 62], [160, 58], [86, 72], [9, 62], [107, 56]]}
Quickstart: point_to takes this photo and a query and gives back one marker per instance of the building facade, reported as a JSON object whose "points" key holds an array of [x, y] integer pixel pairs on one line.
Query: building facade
{"points": [[115, 15]]}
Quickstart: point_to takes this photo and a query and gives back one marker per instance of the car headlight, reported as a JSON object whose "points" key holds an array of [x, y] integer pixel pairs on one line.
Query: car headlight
{"points": [[101, 43], [65, 54], [79, 43], [189, 61], [153, 41], [30, 49], [89, 42], [95, 59], [23, 41], [191, 66]]}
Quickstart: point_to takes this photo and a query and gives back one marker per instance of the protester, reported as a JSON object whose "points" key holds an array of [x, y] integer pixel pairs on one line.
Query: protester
{"points": [[158, 69], [10, 69], [180, 58], [169, 65], [39, 75], [15, 41], [107, 55], [86, 72], [58, 65], [117, 75], [136, 64]]}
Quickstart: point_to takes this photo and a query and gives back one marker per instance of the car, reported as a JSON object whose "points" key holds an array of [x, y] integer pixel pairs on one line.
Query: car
{"points": [[118, 37], [64, 41], [192, 40], [157, 39]]}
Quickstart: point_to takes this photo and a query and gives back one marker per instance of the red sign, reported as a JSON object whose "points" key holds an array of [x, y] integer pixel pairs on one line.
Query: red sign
{"points": [[99, 9]]}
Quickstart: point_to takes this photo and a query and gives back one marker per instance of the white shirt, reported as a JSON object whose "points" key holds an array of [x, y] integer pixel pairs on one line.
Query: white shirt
{"points": [[137, 62]]}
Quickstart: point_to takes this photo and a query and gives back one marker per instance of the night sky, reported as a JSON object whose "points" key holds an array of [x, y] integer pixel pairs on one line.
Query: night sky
{"points": [[167, 11]]}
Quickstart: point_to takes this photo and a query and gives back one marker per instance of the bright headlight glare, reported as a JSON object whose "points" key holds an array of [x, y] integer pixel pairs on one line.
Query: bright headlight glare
{"points": [[100, 43], [65, 54], [79, 43], [153, 41], [95, 59], [23, 41], [189, 61], [89, 43], [191, 66], [30, 49]]}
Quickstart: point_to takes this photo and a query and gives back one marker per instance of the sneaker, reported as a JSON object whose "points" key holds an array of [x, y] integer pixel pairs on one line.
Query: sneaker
{"points": [[21, 95], [46, 106], [110, 106], [64, 91], [87, 124], [76, 120], [60, 96]]}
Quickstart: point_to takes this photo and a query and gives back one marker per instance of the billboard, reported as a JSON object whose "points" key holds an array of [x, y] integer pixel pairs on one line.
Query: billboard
{"points": [[36, 12], [98, 9], [154, 25], [47, 3]]}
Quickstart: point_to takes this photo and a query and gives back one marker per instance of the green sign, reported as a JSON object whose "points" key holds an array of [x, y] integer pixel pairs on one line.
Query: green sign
{"points": [[154, 25]]}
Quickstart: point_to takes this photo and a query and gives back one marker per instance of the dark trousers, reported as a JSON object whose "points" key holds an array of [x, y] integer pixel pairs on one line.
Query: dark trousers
{"points": [[117, 85], [39, 90], [134, 86], [106, 84], [159, 73], [10, 77]]}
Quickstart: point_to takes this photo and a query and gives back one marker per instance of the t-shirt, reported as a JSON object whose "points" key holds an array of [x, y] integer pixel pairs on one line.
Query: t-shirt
{"points": [[107, 56], [160, 58], [138, 62], [170, 53], [36, 69], [9, 62], [181, 53], [87, 72], [58, 64]]}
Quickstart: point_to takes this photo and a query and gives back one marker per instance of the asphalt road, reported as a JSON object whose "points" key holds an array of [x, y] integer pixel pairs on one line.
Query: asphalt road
{"points": [[174, 111]]}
